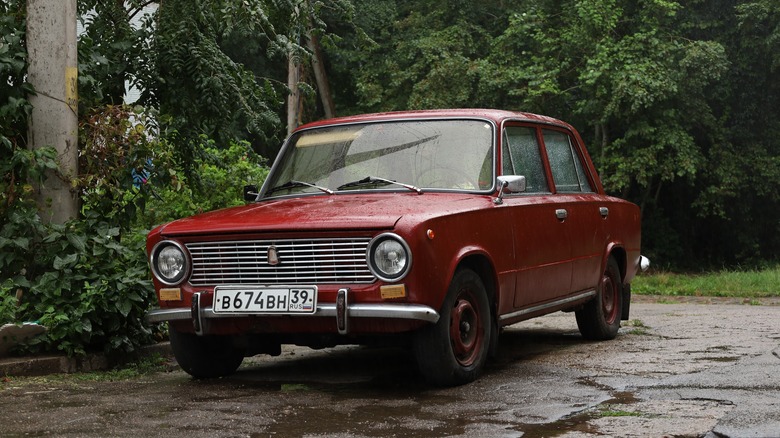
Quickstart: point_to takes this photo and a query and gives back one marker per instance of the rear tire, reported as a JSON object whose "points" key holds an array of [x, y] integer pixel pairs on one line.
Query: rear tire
{"points": [[205, 357], [454, 350], [600, 318]]}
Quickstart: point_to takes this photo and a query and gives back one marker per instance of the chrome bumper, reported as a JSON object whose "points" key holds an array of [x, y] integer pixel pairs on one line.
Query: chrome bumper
{"points": [[341, 311]]}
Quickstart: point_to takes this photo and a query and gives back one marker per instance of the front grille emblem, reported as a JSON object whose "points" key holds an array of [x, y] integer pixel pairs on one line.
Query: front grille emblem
{"points": [[273, 256]]}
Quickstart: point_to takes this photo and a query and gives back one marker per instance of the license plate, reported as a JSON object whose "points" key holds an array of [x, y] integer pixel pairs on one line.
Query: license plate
{"points": [[265, 299]]}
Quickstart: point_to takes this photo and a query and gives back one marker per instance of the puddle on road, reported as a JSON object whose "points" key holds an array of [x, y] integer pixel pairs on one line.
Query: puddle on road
{"points": [[303, 397], [718, 359], [391, 399], [580, 422]]}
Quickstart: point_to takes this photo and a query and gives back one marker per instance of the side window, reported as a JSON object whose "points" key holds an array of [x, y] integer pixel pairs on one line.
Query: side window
{"points": [[567, 169], [520, 143]]}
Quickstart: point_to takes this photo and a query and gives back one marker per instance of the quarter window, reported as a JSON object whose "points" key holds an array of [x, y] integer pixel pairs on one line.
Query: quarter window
{"points": [[567, 169]]}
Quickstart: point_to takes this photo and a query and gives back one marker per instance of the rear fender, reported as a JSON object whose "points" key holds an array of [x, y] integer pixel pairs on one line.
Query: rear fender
{"points": [[617, 251]]}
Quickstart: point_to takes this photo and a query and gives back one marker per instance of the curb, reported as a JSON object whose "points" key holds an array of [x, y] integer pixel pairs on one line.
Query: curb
{"points": [[44, 365]]}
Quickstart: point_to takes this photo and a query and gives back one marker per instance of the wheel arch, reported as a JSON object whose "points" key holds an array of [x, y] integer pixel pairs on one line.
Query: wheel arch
{"points": [[483, 267], [618, 252]]}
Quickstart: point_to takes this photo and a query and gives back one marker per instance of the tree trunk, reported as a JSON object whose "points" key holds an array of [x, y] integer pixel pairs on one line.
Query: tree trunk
{"points": [[294, 99], [320, 76]]}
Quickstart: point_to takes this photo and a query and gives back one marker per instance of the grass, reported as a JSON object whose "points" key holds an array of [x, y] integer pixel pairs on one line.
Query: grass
{"points": [[611, 413], [639, 327], [741, 284], [147, 365]]}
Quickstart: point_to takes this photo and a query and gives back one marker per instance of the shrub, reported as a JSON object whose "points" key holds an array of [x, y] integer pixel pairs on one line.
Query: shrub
{"points": [[216, 181], [87, 286], [87, 281]]}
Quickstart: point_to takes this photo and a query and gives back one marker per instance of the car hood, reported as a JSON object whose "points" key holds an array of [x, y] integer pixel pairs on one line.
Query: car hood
{"points": [[326, 212]]}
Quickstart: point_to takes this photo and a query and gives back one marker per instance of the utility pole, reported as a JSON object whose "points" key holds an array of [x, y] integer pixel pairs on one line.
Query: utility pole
{"points": [[53, 71]]}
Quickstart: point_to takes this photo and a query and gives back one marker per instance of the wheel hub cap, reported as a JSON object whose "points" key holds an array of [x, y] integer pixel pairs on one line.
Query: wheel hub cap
{"points": [[465, 331]]}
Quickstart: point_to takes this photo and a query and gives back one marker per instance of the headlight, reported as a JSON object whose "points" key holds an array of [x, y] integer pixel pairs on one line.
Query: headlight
{"points": [[169, 262], [389, 257]]}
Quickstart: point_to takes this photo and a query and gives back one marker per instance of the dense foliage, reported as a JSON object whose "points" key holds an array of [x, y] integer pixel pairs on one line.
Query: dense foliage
{"points": [[679, 103], [88, 282]]}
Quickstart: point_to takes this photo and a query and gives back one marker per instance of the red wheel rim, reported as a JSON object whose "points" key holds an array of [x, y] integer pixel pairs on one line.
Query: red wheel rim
{"points": [[466, 333], [609, 298]]}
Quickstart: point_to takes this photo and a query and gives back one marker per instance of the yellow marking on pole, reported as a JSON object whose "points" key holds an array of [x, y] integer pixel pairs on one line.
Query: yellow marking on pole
{"points": [[72, 87]]}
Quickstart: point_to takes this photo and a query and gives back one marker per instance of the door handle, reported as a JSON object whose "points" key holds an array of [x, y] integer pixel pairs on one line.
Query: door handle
{"points": [[561, 213], [604, 211]]}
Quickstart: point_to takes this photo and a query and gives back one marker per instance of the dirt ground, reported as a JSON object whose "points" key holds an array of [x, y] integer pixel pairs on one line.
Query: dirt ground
{"points": [[682, 369]]}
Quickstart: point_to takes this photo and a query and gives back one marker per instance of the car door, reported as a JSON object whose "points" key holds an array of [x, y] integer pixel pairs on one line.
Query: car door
{"points": [[542, 248], [583, 208]]}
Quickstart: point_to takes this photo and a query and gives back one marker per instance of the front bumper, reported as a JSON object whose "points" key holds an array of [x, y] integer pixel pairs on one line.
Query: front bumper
{"points": [[342, 310]]}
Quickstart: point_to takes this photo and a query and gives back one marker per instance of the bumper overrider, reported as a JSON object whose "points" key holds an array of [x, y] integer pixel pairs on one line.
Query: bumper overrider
{"points": [[342, 310]]}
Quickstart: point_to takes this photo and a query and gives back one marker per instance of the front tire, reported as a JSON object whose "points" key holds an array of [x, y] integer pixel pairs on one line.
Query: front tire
{"points": [[600, 318], [205, 357], [454, 350]]}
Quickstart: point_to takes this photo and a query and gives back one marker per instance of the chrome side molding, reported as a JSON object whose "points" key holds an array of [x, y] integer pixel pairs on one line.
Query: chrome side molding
{"points": [[526, 311]]}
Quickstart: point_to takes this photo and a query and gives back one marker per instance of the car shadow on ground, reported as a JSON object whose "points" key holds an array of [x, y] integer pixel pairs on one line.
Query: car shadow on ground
{"points": [[381, 368]]}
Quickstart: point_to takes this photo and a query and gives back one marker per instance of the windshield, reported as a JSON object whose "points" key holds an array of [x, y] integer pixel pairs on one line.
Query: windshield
{"points": [[425, 154]]}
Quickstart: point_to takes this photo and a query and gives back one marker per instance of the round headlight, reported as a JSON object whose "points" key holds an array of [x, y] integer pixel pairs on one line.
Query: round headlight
{"points": [[389, 257], [169, 262]]}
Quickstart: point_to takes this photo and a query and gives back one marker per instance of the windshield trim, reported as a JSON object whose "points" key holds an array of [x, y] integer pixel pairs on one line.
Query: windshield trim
{"points": [[287, 144]]}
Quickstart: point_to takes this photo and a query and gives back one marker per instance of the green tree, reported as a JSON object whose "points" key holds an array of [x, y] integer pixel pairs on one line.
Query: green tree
{"points": [[14, 106], [623, 74], [635, 81], [646, 83], [203, 89], [111, 50], [736, 199], [415, 54]]}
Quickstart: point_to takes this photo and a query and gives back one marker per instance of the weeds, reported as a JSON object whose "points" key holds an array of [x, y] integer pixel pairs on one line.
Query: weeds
{"points": [[144, 366], [738, 284]]}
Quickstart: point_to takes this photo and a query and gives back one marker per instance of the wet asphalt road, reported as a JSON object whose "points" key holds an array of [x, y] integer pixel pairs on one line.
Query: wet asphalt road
{"points": [[683, 370]]}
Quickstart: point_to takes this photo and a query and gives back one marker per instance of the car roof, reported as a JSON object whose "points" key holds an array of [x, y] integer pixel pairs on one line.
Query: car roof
{"points": [[495, 115]]}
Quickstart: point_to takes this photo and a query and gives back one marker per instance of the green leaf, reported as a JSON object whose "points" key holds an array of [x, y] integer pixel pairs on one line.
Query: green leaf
{"points": [[124, 307], [22, 242], [86, 325], [67, 261], [77, 240]]}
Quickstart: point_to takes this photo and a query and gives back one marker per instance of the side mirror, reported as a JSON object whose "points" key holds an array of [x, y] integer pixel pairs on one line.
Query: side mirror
{"points": [[250, 193], [510, 184]]}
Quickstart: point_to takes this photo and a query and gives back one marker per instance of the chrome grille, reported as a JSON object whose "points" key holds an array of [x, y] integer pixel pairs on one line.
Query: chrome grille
{"points": [[301, 261]]}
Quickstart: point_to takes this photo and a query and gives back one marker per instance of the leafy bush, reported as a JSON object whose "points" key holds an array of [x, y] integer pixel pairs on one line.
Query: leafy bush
{"points": [[216, 181], [81, 280], [87, 281], [120, 162], [14, 106], [88, 287]]}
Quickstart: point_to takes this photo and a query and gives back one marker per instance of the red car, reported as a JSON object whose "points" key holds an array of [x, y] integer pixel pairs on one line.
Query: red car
{"points": [[435, 228]]}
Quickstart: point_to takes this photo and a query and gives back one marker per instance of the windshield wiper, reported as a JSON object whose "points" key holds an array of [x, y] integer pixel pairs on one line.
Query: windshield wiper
{"points": [[374, 179], [293, 183]]}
